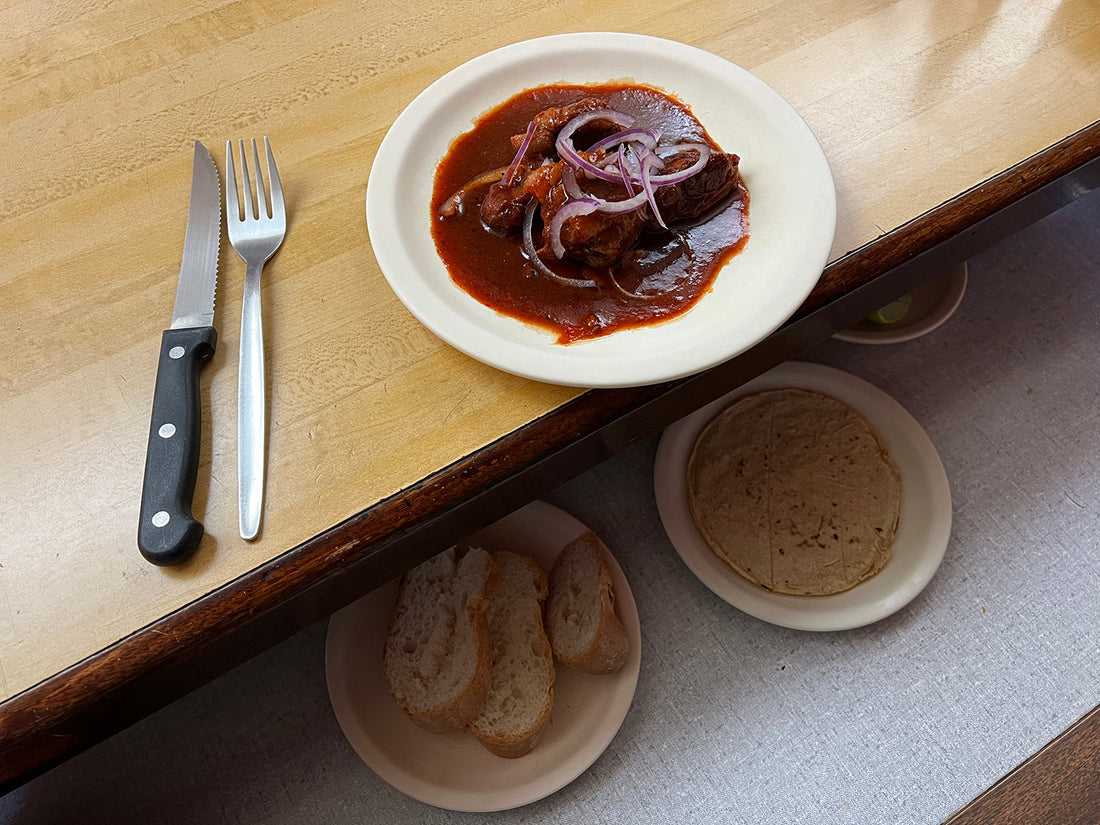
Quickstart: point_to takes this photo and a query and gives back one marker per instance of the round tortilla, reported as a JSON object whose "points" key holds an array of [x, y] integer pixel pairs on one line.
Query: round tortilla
{"points": [[796, 491]]}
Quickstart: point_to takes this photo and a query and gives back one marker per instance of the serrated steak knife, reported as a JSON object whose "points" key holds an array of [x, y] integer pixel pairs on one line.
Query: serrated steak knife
{"points": [[168, 533]]}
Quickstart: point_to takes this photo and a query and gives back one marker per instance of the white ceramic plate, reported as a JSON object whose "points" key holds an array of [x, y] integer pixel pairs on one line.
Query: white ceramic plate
{"points": [[924, 523], [934, 302], [454, 771], [792, 212]]}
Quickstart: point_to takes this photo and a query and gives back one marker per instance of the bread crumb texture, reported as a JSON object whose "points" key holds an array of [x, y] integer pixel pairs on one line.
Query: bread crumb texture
{"points": [[521, 693], [584, 630], [438, 638]]}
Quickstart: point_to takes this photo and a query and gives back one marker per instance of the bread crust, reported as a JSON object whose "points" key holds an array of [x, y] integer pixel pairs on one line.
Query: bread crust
{"points": [[522, 742], [519, 747], [466, 705], [610, 644]]}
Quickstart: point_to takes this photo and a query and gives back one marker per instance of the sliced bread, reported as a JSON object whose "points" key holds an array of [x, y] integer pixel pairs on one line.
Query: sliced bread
{"points": [[438, 658], [584, 631], [522, 691]]}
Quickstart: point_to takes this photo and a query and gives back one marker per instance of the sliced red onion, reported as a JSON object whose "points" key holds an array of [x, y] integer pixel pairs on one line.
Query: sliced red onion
{"points": [[622, 170], [646, 137], [532, 254], [618, 118], [657, 161], [520, 153], [646, 164], [529, 250], [590, 169], [574, 191], [637, 296], [569, 181], [633, 164], [570, 209], [683, 174], [565, 146], [618, 207], [450, 206]]}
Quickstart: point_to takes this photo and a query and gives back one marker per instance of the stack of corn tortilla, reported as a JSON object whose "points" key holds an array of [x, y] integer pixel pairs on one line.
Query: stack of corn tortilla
{"points": [[796, 491]]}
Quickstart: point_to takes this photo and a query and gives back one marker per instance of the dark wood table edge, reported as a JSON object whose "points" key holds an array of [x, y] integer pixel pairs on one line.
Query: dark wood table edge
{"points": [[121, 684], [1057, 785]]}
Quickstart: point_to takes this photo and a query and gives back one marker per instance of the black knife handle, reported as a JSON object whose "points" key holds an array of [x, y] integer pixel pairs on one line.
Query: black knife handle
{"points": [[168, 534]]}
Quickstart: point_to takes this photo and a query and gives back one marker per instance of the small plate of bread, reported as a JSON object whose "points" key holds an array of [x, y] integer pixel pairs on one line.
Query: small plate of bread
{"points": [[494, 673]]}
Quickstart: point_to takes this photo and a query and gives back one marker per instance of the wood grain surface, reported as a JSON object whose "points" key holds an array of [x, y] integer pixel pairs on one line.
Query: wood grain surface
{"points": [[913, 102], [1060, 785]]}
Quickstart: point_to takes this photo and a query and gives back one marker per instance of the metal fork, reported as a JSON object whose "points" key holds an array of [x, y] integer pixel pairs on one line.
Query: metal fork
{"points": [[255, 237]]}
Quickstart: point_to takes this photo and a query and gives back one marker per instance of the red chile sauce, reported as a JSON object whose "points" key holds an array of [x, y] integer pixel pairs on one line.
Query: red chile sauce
{"points": [[672, 269]]}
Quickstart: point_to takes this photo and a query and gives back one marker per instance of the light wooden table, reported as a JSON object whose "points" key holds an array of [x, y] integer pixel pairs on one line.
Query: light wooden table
{"points": [[946, 124]]}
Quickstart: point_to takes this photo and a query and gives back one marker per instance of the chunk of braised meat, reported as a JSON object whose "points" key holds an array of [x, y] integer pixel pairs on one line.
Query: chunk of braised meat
{"points": [[550, 121], [503, 206], [598, 239], [693, 198], [601, 239], [542, 183]]}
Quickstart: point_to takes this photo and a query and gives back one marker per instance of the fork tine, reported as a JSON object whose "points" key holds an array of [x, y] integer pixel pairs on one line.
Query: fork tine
{"points": [[249, 207], [278, 210], [261, 195], [232, 206]]}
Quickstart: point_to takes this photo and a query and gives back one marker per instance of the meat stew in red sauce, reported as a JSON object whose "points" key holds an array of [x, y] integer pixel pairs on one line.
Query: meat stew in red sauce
{"points": [[588, 209]]}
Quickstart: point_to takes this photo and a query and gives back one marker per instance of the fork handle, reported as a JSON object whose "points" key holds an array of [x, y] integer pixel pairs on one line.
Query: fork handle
{"points": [[250, 407]]}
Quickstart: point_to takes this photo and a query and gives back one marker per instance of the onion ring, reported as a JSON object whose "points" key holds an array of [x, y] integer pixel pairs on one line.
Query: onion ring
{"points": [[568, 153], [683, 174], [532, 254], [622, 170], [646, 137], [575, 208], [569, 181], [520, 153], [450, 206], [646, 164]]}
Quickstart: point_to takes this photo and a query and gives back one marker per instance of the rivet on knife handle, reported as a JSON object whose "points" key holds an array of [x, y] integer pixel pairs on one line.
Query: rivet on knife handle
{"points": [[167, 533]]}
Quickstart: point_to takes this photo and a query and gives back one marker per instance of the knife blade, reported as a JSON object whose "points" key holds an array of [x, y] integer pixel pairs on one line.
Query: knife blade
{"points": [[168, 533]]}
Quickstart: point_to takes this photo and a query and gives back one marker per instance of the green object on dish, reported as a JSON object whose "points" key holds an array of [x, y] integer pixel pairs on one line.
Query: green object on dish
{"points": [[892, 312]]}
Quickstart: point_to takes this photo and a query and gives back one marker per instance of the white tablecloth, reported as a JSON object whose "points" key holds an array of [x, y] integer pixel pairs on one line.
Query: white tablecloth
{"points": [[735, 720]]}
